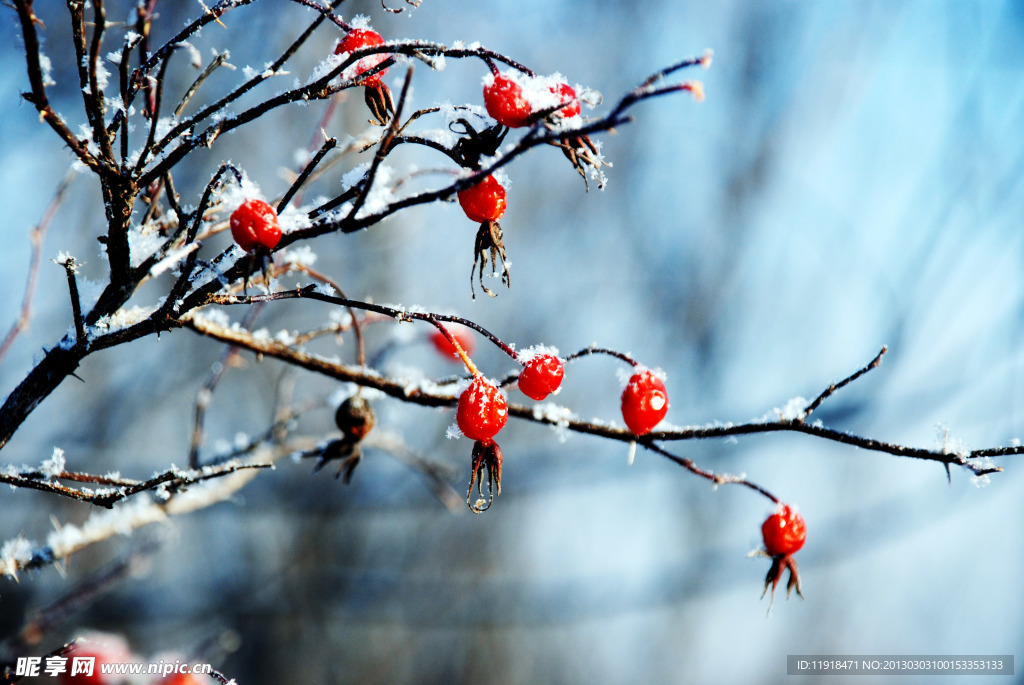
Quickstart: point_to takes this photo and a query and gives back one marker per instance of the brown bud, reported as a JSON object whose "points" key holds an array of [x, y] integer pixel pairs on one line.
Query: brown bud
{"points": [[355, 418]]}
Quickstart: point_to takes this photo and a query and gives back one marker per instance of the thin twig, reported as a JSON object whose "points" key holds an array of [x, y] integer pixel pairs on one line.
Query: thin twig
{"points": [[833, 388], [416, 394], [310, 167], [71, 269], [36, 238], [38, 97], [716, 478], [356, 327], [214, 64], [205, 393]]}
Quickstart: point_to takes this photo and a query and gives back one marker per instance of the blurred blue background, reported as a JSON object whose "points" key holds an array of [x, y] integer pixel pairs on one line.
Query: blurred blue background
{"points": [[853, 179]]}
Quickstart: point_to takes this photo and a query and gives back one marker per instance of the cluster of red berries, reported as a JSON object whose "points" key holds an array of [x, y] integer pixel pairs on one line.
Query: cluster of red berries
{"points": [[482, 410], [507, 102]]}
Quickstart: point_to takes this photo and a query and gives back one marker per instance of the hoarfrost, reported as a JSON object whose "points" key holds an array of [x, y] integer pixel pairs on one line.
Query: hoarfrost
{"points": [[326, 66], [381, 194], [172, 259], [948, 444], [793, 410], [354, 175], [54, 466], [217, 317], [165, 125], [292, 219], [557, 415], [340, 317], [89, 291], [122, 318], [143, 243], [302, 255], [285, 337], [414, 382], [14, 553], [46, 66], [531, 352], [360, 21], [85, 135], [348, 390], [234, 194], [102, 75], [536, 89]]}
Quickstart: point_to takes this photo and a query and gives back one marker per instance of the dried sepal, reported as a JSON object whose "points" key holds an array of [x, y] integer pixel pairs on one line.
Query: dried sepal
{"points": [[585, 156], [473, 144], [487, 458], [488, 245], [779, 564], [380, 102]]}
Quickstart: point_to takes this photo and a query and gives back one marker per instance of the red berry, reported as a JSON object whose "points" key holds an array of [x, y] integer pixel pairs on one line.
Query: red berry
{"points": [[485, 201], [482, 411], [565, 93], [541, 376], [644, 402], [99, 649], [784, 532], [178, 679], [447, 350], [506, 102], [357, 39], [254, 225]]}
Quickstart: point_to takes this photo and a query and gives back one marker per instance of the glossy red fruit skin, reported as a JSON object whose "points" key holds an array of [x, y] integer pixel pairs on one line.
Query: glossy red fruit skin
{"points": [[541, 376], [357, 39], [446, 349], [254, 225], [784, 532], [506, 102], [482, 411], [102, 653], [178, 679], [566, 93], [644, 402], [485, 201]]}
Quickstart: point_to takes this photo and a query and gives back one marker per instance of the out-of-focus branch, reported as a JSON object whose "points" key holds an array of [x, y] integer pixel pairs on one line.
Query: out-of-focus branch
{"points": [[36, 238], [117, 489], [22, 555]]}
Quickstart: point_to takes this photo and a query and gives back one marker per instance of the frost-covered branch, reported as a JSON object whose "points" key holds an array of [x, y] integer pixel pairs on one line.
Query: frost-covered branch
{"points": [[39, 79], [20, 554], [427, 394], [114, 488]]}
